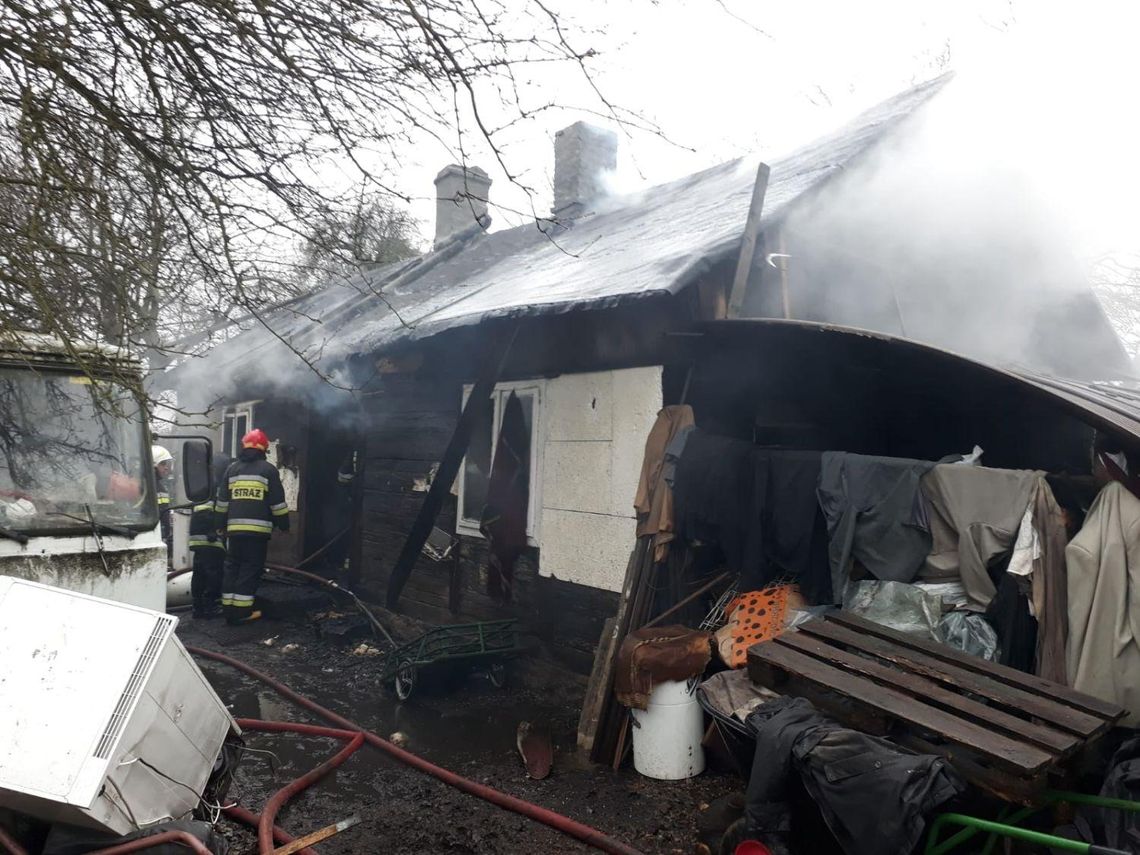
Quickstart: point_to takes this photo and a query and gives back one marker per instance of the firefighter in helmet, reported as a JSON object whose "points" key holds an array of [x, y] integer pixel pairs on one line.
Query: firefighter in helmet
{"points": [[163, 480], [252, 502], [208, 544]]}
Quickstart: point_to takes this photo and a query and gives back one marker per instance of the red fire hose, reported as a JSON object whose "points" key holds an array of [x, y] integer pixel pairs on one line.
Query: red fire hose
{"points": [[354, 738], [184, 837], [248, 817], [563, 824]]}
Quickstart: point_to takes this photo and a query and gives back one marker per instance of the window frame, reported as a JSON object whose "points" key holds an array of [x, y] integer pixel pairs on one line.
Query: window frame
{"points": [[502, 391], [227, 427]]}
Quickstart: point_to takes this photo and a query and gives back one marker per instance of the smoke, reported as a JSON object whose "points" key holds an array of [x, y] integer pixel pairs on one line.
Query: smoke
{"points": [[256, 368], [975, 227]]}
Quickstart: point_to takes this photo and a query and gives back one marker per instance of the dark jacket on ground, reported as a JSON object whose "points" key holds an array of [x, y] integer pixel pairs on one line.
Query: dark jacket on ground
{"points": [[873, 796], [251, 497]]}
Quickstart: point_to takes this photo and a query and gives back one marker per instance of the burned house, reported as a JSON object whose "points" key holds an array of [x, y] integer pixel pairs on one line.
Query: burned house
{"points": [[568, 338]]}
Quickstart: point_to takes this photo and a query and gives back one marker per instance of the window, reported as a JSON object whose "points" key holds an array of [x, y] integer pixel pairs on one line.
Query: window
{"points": [[475, 473], [237, 421], [72, 449]]}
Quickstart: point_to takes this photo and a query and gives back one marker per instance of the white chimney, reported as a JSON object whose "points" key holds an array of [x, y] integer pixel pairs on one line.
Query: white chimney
{"points": [[460, 200], [582, 154]]}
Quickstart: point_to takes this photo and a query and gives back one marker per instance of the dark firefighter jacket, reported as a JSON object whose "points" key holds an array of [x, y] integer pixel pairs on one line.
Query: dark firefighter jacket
{"points": [[207, 526], [251, 497], [164, 486]]}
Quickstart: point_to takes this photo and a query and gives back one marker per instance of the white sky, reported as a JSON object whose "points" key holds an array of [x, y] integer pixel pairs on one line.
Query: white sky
{"points": [[724, 79]]}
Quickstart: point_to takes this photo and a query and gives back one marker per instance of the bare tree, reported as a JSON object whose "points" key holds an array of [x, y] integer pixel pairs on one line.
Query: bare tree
{"points": [[342, 244], [154, 154], [1116, 280]]}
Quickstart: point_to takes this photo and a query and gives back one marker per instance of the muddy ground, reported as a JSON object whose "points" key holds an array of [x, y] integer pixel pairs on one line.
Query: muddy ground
{"points": [[466, 725]]}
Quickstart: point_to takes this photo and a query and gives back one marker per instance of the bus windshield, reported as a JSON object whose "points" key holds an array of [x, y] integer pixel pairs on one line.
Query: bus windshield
{"points": [[72, 449]]}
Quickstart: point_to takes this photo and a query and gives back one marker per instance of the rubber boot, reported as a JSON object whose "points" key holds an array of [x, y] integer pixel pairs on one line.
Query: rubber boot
{"points": [[207, 608], [250, 617]]}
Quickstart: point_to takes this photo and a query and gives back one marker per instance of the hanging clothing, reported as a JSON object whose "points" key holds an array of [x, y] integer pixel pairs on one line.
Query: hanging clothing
{"points": [[1008, 613], [1103, 647], [508, 499], [873, 796], [796, 540], [974, 514], [760, 506], [1049, 585], [713, 496], [875, 515], [654, 499]]}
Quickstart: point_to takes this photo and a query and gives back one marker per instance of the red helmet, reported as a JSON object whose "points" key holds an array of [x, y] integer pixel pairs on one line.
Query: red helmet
{"points": [[256, 438]]}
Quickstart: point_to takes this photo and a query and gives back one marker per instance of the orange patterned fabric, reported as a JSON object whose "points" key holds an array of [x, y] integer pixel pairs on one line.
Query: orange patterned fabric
{"points": [[754, 617]]}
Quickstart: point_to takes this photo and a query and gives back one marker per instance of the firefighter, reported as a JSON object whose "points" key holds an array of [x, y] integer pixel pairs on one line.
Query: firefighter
{"points": [[252, 502], [163, 469], [208, 544]]}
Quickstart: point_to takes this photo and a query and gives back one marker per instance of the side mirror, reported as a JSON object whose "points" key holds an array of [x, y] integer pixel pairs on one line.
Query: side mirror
{"points": [[197, 469]]}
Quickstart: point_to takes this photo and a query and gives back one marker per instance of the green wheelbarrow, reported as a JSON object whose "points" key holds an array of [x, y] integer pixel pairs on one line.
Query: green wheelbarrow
{"points": [[1007, 826], [474, 646]]}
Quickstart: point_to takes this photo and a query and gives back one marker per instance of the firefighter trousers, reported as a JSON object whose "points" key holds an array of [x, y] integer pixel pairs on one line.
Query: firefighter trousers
{"points": [[245, 562], [206, 580]]}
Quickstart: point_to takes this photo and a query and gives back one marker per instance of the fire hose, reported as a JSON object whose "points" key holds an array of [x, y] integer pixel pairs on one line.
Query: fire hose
{"points": [[320, 580], [354, 738], [564, 824]]}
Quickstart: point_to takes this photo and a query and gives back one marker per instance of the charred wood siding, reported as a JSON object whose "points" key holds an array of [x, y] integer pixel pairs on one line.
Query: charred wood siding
{"points": [[287, 422], [408, 426]]}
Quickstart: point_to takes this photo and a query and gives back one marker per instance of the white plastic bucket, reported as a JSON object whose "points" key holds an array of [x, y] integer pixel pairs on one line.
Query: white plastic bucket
{"points": [[667, 736]]}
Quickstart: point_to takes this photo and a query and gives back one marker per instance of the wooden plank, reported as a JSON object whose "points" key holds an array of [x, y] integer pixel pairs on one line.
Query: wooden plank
{"points": [[928, 691], [1017, 757], [748, 243], [1059, 716], [1008, 788], [597, 688], [1029, 682], [859, 716], [492, 367]]}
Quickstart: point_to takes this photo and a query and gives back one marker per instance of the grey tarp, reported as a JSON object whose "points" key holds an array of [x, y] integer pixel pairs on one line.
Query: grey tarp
{"points": [[874, 514]]}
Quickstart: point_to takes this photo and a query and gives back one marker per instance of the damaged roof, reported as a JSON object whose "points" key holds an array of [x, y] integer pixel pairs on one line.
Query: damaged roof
{"points": [[653, 242]]}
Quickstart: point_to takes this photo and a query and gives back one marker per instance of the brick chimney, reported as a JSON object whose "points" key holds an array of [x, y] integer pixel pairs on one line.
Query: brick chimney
{"points": [[460, 200], [582, 154]]}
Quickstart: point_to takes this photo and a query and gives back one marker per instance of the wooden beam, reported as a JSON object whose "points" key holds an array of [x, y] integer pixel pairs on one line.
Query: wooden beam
{"points": [[317, 836], [748, 244], [498, 349]]}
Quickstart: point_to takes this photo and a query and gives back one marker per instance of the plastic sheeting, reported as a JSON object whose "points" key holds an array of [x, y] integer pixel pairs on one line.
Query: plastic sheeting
{"points": [[970, 633], [953, 594], [901, 606]]}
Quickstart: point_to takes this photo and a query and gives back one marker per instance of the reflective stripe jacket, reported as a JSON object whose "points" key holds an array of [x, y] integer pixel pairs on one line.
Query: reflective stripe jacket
{"points": [[163, 486], [205, 527], [251, 497]]}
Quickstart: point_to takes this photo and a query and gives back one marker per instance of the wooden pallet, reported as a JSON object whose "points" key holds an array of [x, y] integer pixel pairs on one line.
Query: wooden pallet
{"points": [[1004, 730]]}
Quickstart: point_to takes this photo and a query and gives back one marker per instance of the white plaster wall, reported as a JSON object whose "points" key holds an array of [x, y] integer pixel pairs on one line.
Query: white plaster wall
{"points": [[596, 426]]}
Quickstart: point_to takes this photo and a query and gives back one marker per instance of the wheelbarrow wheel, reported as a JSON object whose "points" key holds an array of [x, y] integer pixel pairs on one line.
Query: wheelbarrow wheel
{"points": [[405, 681], [497, 674]]}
